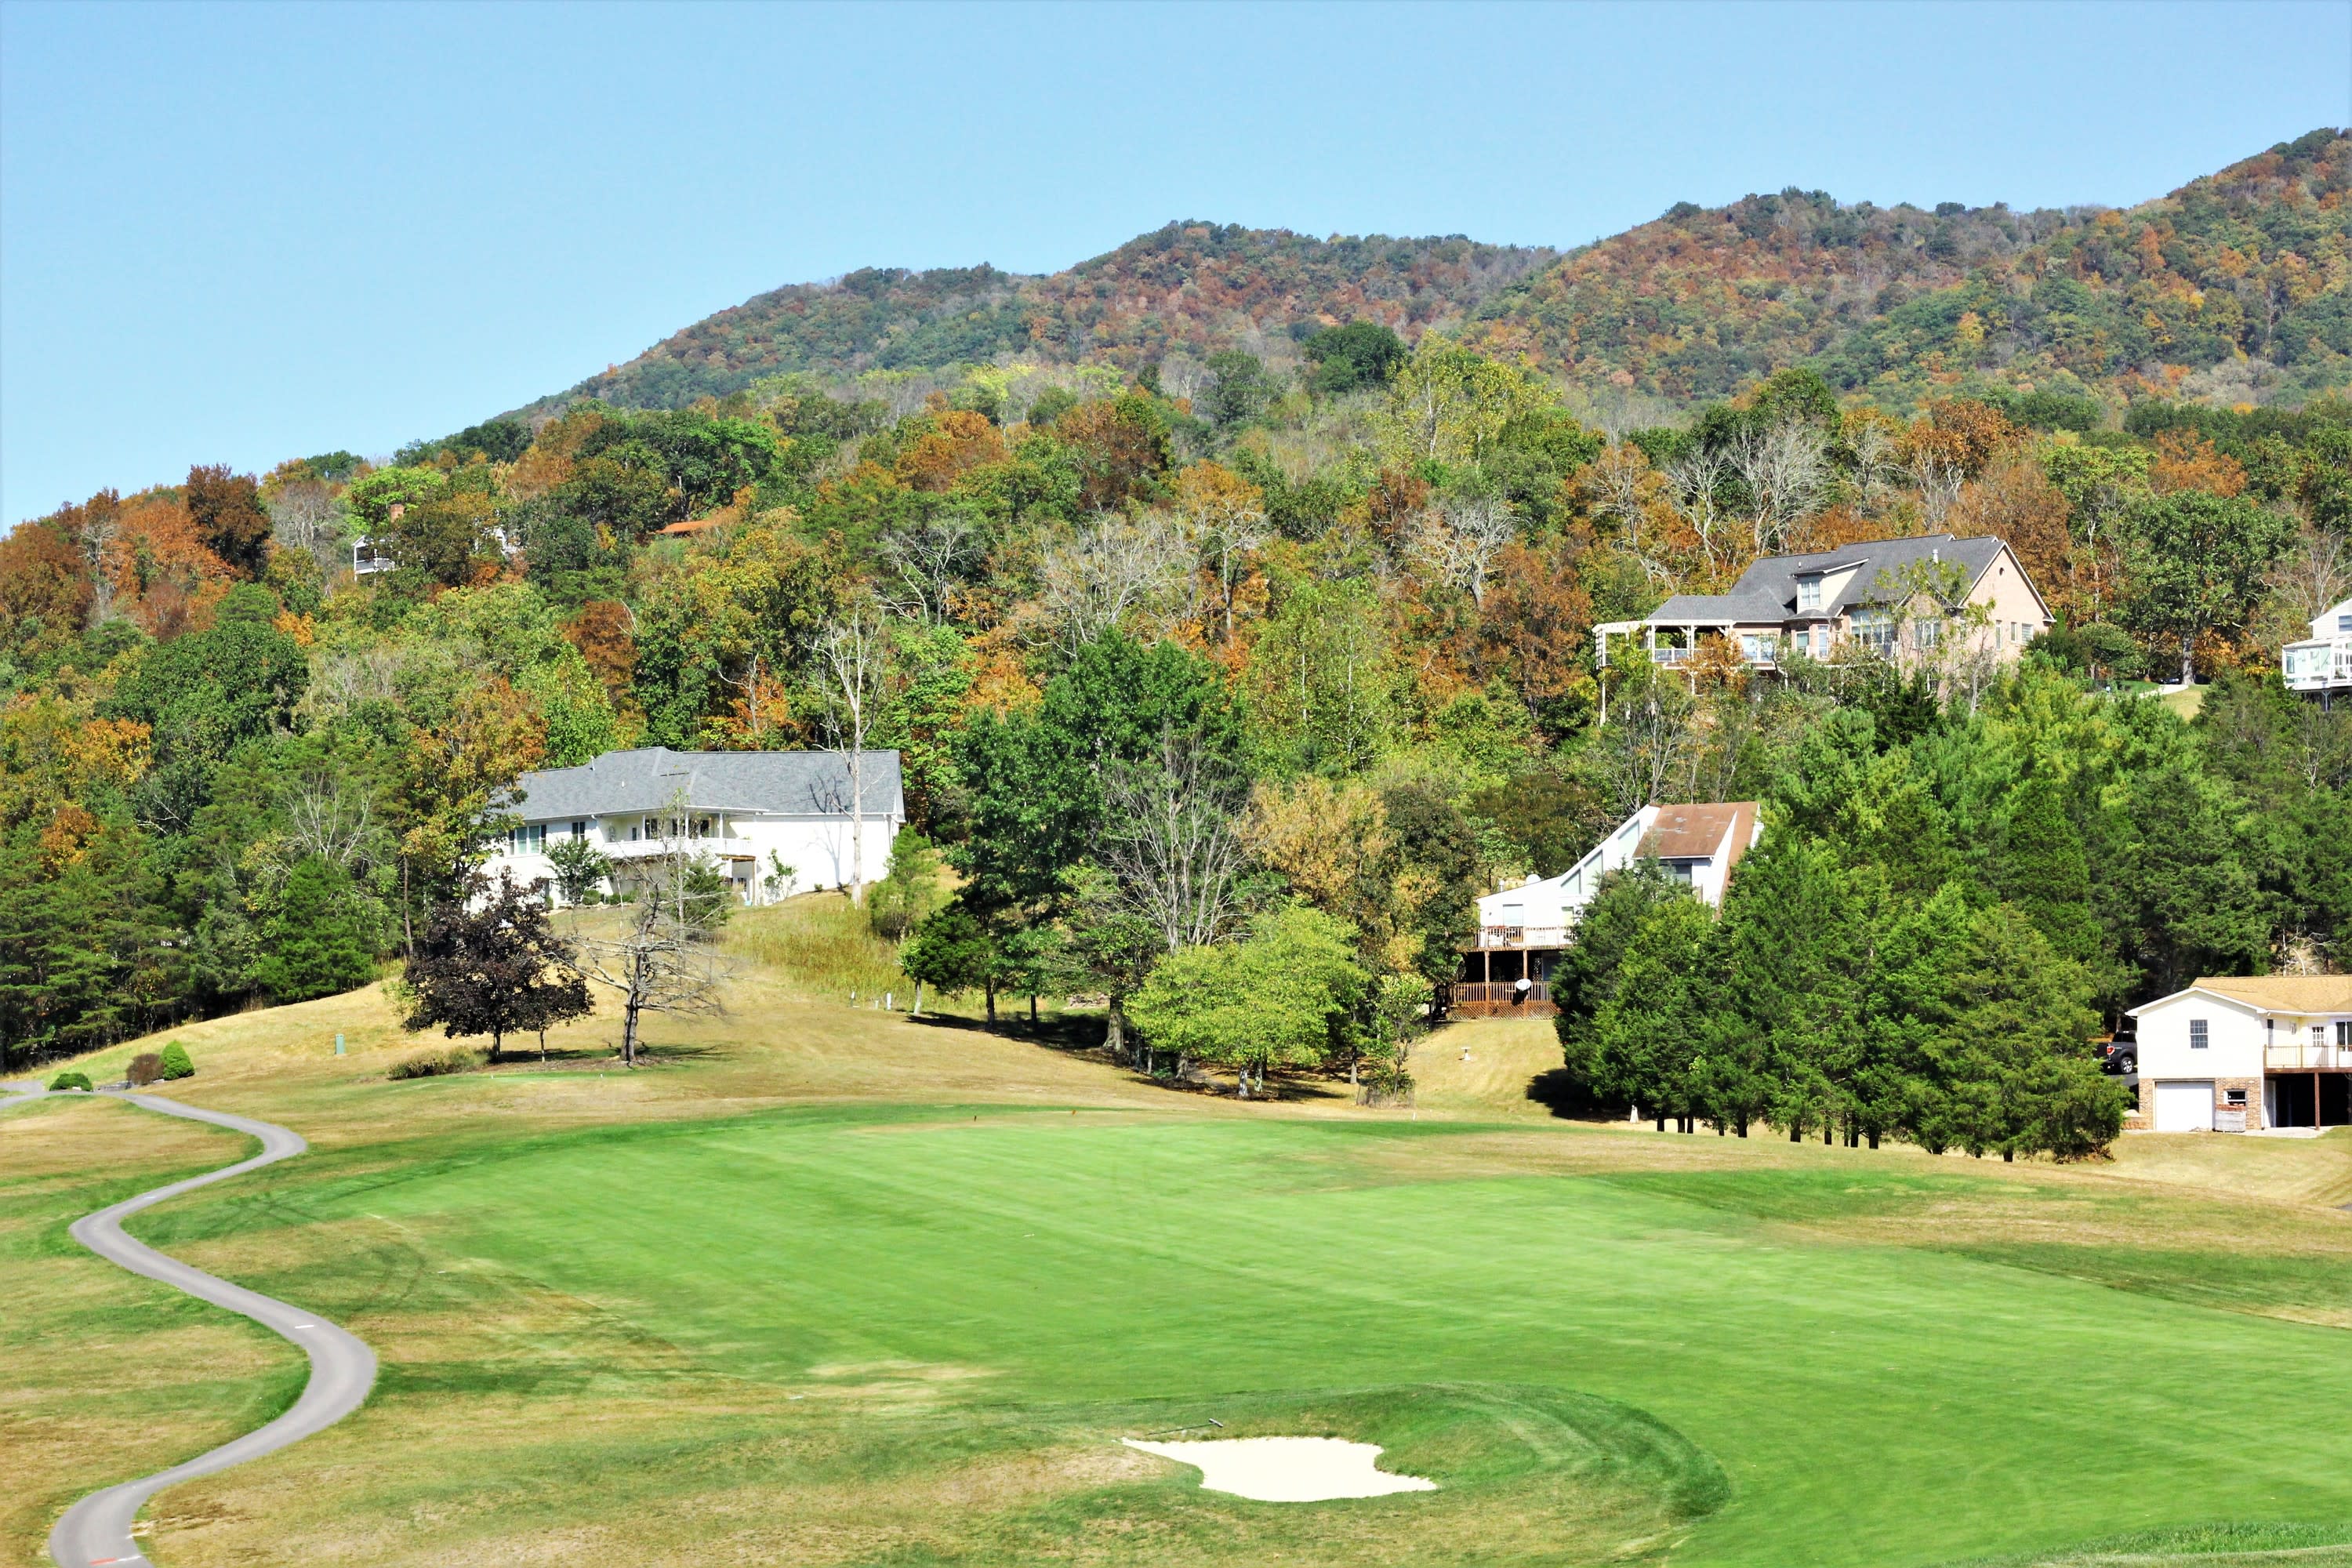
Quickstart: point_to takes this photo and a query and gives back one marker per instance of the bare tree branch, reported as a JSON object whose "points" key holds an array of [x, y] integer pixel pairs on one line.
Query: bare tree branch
{"points": [[854, 652], [1093, 578], [1460, 540], [1168, 841]]}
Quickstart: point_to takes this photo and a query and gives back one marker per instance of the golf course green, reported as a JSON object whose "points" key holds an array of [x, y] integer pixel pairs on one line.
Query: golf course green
{"points": [[1733, 1353]]}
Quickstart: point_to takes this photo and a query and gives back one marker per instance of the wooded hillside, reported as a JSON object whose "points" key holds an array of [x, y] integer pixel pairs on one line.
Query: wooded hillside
{"points": [[1320, 617], [1195, 286], [2233, 289]]}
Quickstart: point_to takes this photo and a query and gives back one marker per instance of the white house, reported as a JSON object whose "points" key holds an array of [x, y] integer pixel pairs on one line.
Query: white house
{"points": [[2240, 1054], [2322, 662], [1521, 930], [773, 822]]}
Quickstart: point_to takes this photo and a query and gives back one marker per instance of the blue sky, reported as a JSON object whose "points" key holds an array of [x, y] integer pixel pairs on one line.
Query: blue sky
{"points": [[245, 234]]}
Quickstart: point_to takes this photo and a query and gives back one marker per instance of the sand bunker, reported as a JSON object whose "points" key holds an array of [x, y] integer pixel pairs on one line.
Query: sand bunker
{"points": [[1288, 1470]]}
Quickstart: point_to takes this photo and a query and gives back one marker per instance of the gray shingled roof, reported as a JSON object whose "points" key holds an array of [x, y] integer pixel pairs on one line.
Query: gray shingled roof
{"points": [[1767, 590], [780, 783], [1741, 605]]}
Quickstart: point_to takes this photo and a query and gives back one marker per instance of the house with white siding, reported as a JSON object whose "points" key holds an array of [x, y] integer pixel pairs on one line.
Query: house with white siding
{"points": [[1522, 929], [772, 823], [2322, 663], [2246, 1054]]}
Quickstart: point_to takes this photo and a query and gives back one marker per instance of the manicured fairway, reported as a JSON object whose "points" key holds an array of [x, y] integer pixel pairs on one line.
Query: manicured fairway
{"points": [[1882, 1374]]}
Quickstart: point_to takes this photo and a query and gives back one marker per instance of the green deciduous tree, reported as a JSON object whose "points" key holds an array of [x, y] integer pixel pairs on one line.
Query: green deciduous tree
{"points": [[2195, 562], [956, 952], [1360, 353], [1278, 999]]}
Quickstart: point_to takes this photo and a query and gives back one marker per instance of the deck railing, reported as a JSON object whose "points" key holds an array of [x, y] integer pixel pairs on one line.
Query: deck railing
{"points": [[2300, 1055], [1501, 991], [1522, 936]]}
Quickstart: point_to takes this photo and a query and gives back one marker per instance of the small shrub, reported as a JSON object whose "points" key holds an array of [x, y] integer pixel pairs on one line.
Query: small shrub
{"points": [[145, 1068], [436, 1064], [70, 1080], [176, 1063]]}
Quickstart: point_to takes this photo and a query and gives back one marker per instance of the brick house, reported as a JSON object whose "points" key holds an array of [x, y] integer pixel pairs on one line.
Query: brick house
{"points": [[2244, 1054]]}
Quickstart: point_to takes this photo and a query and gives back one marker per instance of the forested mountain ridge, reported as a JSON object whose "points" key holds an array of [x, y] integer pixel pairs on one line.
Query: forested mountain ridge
{"points": [[2236, 288], [2233, 285], [1189, 286]]}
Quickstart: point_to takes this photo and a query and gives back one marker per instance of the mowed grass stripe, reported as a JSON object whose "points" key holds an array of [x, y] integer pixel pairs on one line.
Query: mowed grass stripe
{"points": [[1872, 1403]]}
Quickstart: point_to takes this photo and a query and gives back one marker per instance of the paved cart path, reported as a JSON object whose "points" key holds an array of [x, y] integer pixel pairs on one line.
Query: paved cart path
{"points": [[96, 1532]]}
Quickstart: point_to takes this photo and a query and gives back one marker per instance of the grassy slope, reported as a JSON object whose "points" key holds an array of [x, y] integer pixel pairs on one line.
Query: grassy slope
{"points": [[836, 1286], [177, 1376]]}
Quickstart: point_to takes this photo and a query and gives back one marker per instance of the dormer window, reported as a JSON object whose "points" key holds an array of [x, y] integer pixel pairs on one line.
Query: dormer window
{"points": [[1808, 594]]}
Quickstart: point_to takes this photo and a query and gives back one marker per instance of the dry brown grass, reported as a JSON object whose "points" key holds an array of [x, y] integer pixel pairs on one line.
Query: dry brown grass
{"points": [[178, 1377], [1504, 1056]]}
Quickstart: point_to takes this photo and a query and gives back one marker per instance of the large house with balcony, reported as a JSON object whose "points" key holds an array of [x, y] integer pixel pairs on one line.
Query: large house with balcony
{"points": [[1893, 598], [1521, 930], [2246, 1055], [2322, 663], [771, 822]]}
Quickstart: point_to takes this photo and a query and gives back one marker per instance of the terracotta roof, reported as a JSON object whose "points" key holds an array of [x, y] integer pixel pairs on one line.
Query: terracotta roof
{"points": [[2285, 992], [1688, 832], [696, 524]]}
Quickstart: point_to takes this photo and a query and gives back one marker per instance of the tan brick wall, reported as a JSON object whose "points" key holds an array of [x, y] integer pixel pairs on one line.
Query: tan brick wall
{"points": [[2253, 1089], [2143, 1119]]}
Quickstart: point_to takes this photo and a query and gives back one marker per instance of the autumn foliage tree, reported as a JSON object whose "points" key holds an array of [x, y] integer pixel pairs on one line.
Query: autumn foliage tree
{"points": [[229, 515]]}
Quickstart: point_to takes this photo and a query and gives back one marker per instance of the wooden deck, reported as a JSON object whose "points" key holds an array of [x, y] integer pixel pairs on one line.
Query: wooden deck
{"points": [[1502, 999]]}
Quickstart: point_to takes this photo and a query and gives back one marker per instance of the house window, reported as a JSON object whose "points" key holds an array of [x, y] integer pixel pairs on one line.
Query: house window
{"points": [[1759, 647], [2197, 1037], [578, 830], [2319, 1036], [1820, 642], [1875, 630], [1926, 634], [2344, 1033], [2235, 1099], [529, 839], [1680, 871], [2344, 623], [1808, 593]]}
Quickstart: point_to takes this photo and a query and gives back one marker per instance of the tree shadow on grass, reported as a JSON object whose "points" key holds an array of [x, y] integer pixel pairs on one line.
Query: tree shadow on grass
{"points": [[1559, 1092], [1086, 1035], [597, 1058]]}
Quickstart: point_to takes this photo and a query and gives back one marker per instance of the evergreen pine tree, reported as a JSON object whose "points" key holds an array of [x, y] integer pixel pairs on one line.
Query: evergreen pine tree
{"points": [[1647, 1038], [2042, 870], [320, 941]]}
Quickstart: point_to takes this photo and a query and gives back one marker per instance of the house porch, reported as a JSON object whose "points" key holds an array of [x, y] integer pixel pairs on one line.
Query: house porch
{"points": [[2312, 1097], [1487, 984]]}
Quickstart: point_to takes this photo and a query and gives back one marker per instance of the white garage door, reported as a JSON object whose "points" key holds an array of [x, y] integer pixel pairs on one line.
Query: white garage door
{"points": [[2185, 1107]]}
